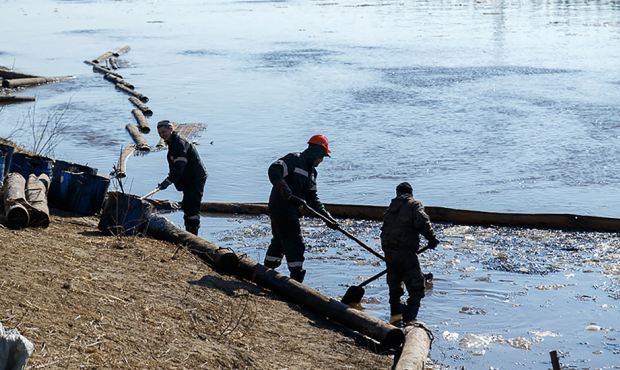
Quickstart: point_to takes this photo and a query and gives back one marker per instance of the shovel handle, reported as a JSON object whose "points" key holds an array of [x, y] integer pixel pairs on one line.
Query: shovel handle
{"points": [[150, 193], [339, 228], [375, 277]]}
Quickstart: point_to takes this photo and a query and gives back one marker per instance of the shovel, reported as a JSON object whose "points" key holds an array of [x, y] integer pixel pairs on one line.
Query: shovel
{"points": [[322, 217], [353, 296], [150, 193]]}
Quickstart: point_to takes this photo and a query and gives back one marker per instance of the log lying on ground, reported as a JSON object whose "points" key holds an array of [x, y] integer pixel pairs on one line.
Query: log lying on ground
{"points": [[112, 78], [143, 124], [120, 171], [15, 204], [9, 99], [102, 69], [146, 110], [415, 349], [129, 91], [311, 299], [223, 260], [137, 137], [36, 195], [21, 82], [443, 214]]}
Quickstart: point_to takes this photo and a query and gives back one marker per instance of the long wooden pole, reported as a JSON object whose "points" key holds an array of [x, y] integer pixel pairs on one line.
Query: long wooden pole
{"points": [[222, 259], [21, 82]]}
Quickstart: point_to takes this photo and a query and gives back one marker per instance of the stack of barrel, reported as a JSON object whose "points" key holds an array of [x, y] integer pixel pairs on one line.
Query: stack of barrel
{"points": [[30, 182]]}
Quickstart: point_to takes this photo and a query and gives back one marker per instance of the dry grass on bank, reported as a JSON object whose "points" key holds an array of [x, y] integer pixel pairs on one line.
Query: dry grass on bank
{"points": [[87, 300]]}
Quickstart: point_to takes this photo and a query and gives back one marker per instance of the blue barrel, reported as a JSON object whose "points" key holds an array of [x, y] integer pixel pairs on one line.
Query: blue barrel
{"points": [[124, 214], [55, 196], [6, 153], [26, 164], [81, 193]]}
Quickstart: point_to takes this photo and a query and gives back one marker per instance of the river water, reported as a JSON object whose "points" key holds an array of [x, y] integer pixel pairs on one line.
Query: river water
{"points": [[489, 105]]}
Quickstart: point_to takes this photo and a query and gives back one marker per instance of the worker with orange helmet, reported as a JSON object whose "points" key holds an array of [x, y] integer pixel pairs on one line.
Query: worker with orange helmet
{"points": [[294, 181]]}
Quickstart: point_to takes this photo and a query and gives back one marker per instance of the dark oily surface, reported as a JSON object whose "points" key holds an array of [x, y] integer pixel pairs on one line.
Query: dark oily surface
{"points": [[502, 297]]}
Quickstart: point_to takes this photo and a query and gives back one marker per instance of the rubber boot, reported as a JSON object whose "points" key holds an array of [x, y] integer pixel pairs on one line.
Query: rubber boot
{"points": [[298, 274], [396, 320], [410, 312], [192, 225]]}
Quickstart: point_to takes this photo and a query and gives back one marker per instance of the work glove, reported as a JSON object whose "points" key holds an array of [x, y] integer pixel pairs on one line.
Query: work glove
{"points": [[164, 184], [433, 243], [330, 222]]}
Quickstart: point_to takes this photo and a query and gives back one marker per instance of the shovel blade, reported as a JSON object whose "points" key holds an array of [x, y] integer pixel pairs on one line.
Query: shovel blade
{"points": [[353, 296]]}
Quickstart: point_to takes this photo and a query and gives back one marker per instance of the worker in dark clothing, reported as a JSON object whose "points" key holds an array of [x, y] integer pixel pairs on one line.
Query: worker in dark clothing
{"points": [[186, 172], [403, 223], [294, 182]]}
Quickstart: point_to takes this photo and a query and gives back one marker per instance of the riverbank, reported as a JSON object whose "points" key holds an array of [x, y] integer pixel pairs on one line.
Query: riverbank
{"points": [[85, 299]]}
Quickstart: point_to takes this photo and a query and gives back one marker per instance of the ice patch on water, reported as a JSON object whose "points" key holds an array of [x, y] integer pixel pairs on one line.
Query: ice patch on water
{"points": [[449, 336]]}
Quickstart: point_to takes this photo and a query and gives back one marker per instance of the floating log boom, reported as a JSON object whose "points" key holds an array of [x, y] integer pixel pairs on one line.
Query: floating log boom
{"points": [[143, 124], [121, 166], [443, 214], [8, 74], [21, 82], [137, 137], [103, 57], [145, 109]]}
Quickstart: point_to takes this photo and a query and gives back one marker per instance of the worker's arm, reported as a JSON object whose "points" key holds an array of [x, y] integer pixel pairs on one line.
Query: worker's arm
{"points": [[277, 172], [422, 223], [178, 156], [312, 198]]}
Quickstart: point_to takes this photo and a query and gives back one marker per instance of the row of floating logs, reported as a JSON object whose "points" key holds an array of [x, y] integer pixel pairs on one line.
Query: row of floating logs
{"points": [[136, 98], [127, 214]]}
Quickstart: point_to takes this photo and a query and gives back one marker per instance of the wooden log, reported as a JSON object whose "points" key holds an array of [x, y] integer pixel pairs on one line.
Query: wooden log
{"points": [[36, 195], [313, 300], [223, 260], [146, 110], [123, 50], [415, 349], [137, 137], [15, 204], [9, 74], [555, 360], [112, 78], [103, 57], [22, 82], [102, 69], [9, 99], [113, 63], [143, 124], [121, 166], [129, 91]]}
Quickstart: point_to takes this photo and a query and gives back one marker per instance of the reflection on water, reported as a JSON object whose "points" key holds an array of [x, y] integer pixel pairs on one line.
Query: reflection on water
{"points": [[489, 105]]}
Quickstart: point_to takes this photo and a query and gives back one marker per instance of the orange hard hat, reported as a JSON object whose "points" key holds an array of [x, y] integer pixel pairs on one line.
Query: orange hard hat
{"points": [[320, 140]]}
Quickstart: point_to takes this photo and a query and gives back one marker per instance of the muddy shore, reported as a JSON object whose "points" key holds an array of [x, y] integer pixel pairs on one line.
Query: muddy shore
{"points": [[88, 300]]}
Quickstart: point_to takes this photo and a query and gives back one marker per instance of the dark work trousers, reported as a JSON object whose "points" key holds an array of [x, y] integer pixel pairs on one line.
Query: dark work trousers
{"points": [[403, 267], [192, 197], [286, 241]]}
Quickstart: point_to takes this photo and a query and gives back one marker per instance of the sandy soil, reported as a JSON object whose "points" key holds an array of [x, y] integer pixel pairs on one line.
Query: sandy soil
{"points": [[88, 300]]}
